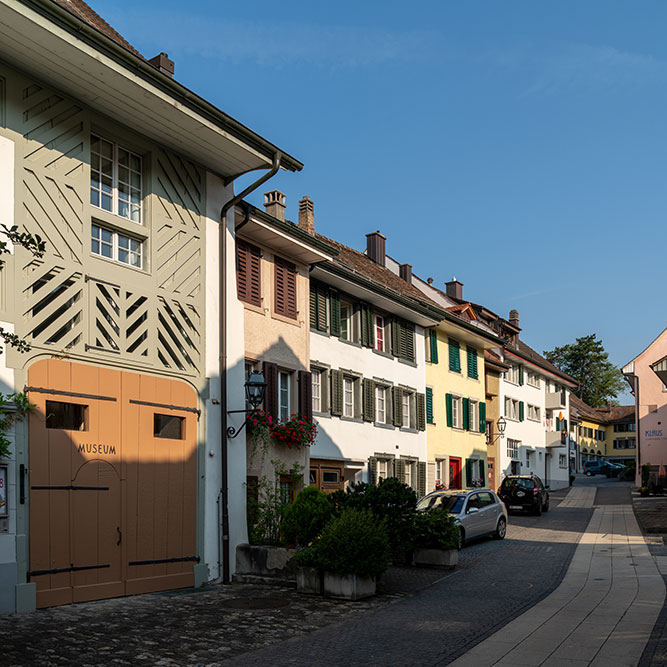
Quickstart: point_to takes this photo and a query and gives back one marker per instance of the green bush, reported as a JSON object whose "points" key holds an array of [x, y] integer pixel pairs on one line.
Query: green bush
{"points": [[353, 543], [646, 474], [308, 557], [435, 529], [389, 499], [304, 519]]}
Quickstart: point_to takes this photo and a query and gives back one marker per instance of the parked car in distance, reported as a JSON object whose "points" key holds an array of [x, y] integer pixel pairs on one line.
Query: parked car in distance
{"points": [[524, 492], [597, 468], [478, 513]]}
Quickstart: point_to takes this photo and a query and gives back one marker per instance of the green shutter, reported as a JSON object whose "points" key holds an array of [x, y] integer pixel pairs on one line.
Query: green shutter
{"points": [[481, 473], [395, 338], [433, 336], [472, 362], [454, 356], [520, 375], [409, 351], [397, 399], [336, 393], [313, 306], [521, 411], [429, 405], [420, 407], [372, 470], [558, 424], [469, 473], [399, 470], [334, 313], [321, 309], [369, 400], [466, 414], [482, 417], [421, 478], [602, 433], [449, 401]]}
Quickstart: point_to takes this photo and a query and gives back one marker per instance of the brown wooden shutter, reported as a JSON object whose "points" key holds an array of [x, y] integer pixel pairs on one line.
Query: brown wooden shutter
{"points": [[248, 273], [305, 394], [271, 392], [285, 288]]}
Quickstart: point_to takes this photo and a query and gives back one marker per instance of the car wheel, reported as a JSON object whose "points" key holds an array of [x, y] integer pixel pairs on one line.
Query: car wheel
{"points": [[588, 473], [546, 506], [501, 529], [461, 540], [538, 510]]}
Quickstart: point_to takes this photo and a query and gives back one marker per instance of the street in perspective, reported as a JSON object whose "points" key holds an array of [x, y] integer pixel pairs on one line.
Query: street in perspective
{"points": [[380, 384]]}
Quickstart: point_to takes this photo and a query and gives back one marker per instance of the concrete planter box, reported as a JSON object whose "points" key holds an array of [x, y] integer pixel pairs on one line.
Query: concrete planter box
{"points": [[436, 558], [265, 562], [348, 586], [309, 580]]}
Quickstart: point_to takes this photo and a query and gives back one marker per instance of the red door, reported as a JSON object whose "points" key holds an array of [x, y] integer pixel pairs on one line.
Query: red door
{"points": [[454, 472]]}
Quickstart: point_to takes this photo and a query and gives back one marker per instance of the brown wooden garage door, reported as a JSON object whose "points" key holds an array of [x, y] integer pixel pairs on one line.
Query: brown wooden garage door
{"points": [[112, 481]]}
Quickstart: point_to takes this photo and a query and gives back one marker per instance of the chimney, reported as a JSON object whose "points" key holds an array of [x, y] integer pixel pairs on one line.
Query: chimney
{"points": [[455, 289], [274, 203], [307, 215], [375, 247], [405, 271], [164, 64], [514, 318]]}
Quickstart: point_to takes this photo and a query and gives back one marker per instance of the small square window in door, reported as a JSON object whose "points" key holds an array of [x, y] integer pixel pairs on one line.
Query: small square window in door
{"points": [[168, 426], [66, 416]]}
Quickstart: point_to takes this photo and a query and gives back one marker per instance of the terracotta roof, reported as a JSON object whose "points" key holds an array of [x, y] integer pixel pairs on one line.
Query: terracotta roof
{"points": [[82, 11], [583, 409], [528, 353], [493, 358], [615, 413], [357, 261]]}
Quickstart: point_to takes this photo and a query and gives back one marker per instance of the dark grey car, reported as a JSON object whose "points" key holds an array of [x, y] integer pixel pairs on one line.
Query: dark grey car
{"points": [[478, 512]]}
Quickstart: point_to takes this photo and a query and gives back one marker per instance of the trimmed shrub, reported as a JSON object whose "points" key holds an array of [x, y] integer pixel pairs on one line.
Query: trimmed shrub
{"points": [[304, 518], [353, 543], [435, 529]]}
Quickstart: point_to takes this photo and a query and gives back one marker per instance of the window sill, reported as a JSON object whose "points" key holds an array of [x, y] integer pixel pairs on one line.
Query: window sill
{"points": [[355, 420], [287, 320], [352, 343], [382, 353], [136, 229], [115, 262], [319, 415], [383, 425], [253, 307], [451, 370], [407, 362], [405, 429]]}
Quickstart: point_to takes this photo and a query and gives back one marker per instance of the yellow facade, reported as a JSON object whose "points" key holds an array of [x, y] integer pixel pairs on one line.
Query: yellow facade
{"points": [[451, 446], [591, 446]]}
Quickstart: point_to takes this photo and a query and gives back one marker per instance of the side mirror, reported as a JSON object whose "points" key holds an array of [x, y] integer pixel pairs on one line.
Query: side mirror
{"points": [[472, 510]]}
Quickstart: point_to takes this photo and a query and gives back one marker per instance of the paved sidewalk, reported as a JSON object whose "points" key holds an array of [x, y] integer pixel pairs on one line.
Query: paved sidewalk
{"points": [[603, 612]]}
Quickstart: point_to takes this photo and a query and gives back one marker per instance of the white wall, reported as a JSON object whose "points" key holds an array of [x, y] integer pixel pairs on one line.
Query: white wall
{"points": [[339, 438]]}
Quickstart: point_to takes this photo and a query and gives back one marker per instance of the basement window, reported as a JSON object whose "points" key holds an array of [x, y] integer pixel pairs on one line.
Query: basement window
{"points": [[168, 426], [66, 416]]}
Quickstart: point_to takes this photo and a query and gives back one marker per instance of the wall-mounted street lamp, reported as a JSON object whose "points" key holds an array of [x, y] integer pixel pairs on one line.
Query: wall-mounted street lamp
{"points": [[501, 425], [255, 386]]}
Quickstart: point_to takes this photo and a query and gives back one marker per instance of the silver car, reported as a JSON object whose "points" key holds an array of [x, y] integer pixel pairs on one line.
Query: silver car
{"points": [[478, 513]]}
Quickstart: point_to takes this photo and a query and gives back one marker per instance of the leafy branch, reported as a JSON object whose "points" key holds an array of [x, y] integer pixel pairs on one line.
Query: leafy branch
{"points": [[13, 407]]}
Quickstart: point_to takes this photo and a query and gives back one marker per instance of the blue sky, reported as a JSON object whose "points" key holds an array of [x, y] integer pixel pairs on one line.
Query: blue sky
{"points": [[518, 145]]}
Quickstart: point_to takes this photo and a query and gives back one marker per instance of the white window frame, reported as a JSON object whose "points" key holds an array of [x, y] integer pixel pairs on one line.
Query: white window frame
{"points": [[406, 409], [533, 412], [348, 392], [381, 404], [316, 390], [379, 333], [284, 395], [346, 322], [408, 474], [457, 412], [511, 408], [114, 193], [382, 468], [115, 246], [512, 375], [562, 461], [533, 379], [473, 415], [442, 471], [513, 448]]}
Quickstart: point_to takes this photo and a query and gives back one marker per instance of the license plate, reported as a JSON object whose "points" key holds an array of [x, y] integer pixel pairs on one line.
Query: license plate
{"points": [[515, 507]]}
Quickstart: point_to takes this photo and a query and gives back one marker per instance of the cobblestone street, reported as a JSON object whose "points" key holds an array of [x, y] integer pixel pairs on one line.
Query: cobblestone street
{"points": [[249, 624]]}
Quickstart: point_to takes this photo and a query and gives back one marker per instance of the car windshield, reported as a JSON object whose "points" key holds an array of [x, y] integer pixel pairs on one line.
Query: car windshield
{"points": [[518, 484], [452, 503]]}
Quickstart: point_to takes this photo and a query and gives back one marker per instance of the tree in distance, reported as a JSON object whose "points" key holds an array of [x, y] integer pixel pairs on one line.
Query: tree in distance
{"points": [[588, 363]]}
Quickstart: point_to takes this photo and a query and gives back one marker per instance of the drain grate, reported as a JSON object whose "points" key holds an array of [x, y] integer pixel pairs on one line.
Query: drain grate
{"points": [[255, 603]]}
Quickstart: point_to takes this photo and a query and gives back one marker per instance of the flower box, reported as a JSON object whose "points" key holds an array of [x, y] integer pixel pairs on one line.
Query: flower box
{"points": [[447, 559], [348, 586], [309, 580]]}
